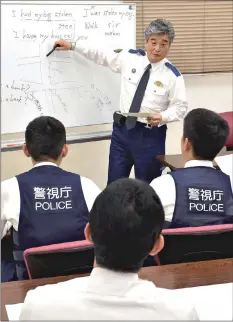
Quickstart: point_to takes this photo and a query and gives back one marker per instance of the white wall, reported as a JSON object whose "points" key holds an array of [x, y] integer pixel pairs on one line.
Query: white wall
{"points": [[213, 91]]}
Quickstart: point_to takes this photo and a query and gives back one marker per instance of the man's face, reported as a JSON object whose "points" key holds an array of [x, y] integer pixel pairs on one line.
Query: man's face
{"points": [[157, 47]]}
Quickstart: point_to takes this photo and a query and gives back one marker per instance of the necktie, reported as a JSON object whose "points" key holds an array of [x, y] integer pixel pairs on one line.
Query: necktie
{"points": [[137, 99]]}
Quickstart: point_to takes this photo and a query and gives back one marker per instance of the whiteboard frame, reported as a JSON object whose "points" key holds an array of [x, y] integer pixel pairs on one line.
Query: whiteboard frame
{"points": [[72, 138]]}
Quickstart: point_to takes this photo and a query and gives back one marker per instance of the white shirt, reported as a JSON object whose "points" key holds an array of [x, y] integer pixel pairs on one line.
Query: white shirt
{"points": [[105, 295], [165, 187], [168, 99], [10, 199]]}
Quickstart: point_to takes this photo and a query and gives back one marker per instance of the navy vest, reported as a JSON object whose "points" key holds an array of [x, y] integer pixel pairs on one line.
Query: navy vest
{"points": [[53, 210], [203, 197]]}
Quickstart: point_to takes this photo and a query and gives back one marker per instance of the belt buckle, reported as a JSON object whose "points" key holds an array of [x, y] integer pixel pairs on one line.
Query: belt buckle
{"points": [[148, 126]]}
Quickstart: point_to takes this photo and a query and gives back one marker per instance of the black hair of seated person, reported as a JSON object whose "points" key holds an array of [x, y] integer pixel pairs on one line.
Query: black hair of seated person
{"points": [[45, 138], [207, 131], [125, 222]]}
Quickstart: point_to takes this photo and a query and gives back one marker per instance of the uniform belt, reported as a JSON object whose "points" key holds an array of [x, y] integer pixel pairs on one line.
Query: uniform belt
{"points": [[121, 119]]}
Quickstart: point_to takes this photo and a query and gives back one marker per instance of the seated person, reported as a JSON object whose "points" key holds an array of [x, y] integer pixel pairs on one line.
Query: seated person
{"points": [[124, 226], [46, 205], [198, 194]]}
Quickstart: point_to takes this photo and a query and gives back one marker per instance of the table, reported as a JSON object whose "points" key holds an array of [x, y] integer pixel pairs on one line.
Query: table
{"points": [[175, 161], [167, 276]]}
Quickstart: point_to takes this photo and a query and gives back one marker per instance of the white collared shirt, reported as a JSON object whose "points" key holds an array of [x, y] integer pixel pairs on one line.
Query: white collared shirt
{"points": [[106, 295], [10, 199], [165, 187], [167, 98]]}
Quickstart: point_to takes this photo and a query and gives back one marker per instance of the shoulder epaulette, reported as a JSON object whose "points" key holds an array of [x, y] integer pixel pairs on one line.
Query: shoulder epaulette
{"points": [[173, 69], [137, 51]]}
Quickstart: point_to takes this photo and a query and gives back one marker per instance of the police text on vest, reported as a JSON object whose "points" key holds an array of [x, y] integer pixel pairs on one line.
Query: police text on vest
{"points": [[206, 207], [52, 198], [205, 200], [57, 205]]}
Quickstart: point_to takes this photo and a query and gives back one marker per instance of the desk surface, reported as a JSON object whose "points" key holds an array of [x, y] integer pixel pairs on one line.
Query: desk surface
{"points": [[175, 161], [167, 276]]}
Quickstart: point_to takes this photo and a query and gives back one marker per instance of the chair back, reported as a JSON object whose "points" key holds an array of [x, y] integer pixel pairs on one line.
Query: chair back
{"points": [[59, 259], [192, 244], [228, 116]]}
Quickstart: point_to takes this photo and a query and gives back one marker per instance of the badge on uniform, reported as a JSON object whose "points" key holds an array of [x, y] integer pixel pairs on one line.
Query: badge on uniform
{"points": [[133, 70], [117, 51], [158, 84]]}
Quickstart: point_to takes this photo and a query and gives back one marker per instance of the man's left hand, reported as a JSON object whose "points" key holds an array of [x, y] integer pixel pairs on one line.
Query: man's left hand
{"points": [[154, 119]]}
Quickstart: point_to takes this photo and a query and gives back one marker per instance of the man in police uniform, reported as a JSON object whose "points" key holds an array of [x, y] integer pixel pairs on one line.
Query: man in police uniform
{"points": [[45, 205], [198, 195], [149, 83]]}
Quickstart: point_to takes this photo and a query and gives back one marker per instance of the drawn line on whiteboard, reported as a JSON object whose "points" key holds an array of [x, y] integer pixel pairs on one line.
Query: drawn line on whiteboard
{"points": [[60, 61], [44, 39], [27, 58], [60, 89], [31, 82], [50, 106], [26, 40], [29, 63], [41, 74], [30, 57], [54, 93], [62, 82], [55, 71], [50, 91], [51, 20], [29, 73]]}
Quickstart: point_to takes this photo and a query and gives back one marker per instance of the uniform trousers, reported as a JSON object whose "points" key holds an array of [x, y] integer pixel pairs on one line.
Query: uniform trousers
{"points": [[137, 147]]}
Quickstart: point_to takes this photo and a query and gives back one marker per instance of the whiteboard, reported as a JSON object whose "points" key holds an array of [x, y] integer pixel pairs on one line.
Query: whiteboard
{"points": [[64, 85]]}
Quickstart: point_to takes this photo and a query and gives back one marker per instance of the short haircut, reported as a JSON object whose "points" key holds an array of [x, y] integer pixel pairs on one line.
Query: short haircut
{"points": [[125, 221], [45, 137], [207, 131], [160, 27]]}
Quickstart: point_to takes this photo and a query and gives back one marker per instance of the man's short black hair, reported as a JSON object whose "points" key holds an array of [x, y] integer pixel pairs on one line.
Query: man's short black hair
{"points": [[45, 137], [207, 131], [125, 221]]}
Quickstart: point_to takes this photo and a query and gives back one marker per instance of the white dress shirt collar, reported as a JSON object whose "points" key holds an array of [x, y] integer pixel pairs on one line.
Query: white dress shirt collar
{"points": [[155, 65], [199, 163], [115, 283], [105, 274], [44, 163]]}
